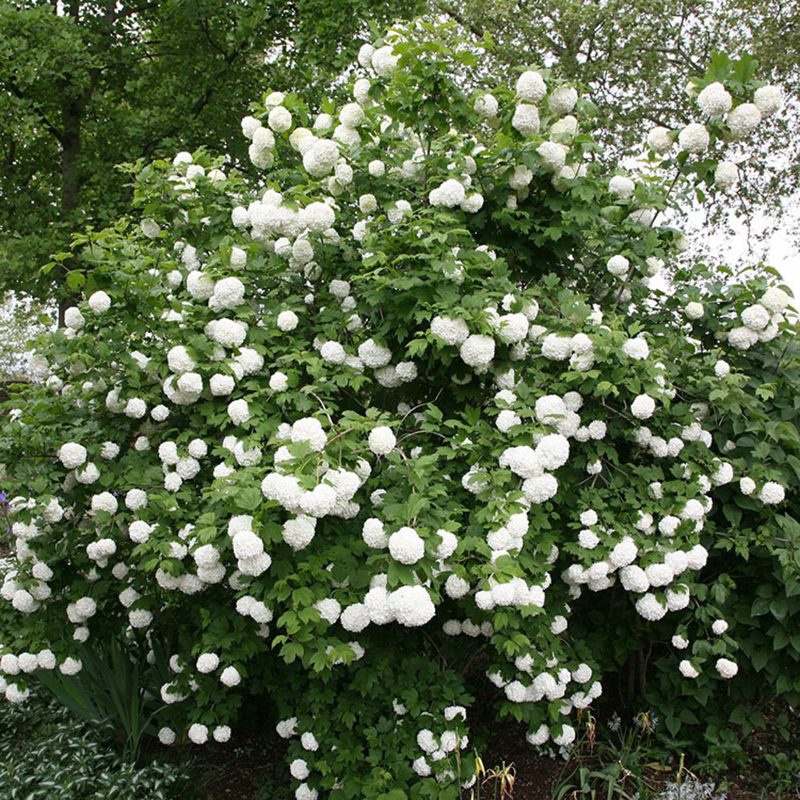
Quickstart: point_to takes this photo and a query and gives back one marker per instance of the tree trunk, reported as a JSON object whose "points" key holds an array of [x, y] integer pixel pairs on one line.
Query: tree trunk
{"points": [[70, 183]]}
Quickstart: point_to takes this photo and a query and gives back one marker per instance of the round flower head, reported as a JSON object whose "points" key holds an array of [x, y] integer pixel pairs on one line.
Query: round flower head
{"points": [[99, 302], [618, 266], [562, 100], [531, 87], [450, 194], [198, 734], [726, 668], [772, 493], [412, 606], [452, 331], [477, 350], [768, 100], [382, 440], [287, 321], [687, 669], [486, 106], [726, 175], [526, 120], [743, 120], [694, 138], [406, 546], [621, 186], [207, 662], [72, 455], [73, 318], [384, 62], [279, 119], [659, 140], [643, 407], [715, 100]]}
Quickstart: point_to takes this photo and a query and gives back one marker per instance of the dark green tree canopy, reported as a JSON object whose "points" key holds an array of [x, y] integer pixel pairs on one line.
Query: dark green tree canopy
{"points": [[85, 85]]}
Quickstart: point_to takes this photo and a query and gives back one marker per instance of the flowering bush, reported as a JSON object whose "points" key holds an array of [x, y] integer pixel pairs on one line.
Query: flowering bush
{"points": [[414, 403]]}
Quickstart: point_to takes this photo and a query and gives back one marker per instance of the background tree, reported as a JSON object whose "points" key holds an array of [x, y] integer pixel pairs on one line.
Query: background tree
{"points": [[85, 85], [634, 59]]}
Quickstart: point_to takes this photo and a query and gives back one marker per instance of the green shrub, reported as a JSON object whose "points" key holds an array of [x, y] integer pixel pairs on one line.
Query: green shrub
{"points": [[411, 405]]}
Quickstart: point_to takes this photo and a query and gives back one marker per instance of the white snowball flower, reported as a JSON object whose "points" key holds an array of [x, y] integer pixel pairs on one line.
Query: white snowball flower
{"points": [[278, 382], [309, 430], [755, 317], [538, 737], [687, 670], [768, 100], [772, 493], [659, 140], [406, 546], [486, 106], [99, 302], [73, 318], [373, 533], [198, 734], [166, 736], [450, 194], [299, 532], [72, 455], [743, 120], [552, 451], [384, 62], [477, 351], [239, 412], [453, 331], [105, 501], [540, 489], [694, 138], [742, 338], [715, 100], [472, 203], [775, 300], [207, 662], [526, 120], [355, 618], [727, 668], [279, 119], [531, 87], [553, 155], [562, 100], [636, 349], [618, 266], [643, 407], [747, 486], [719, 627], [412, 605], [230, 677], [374, 355], [726, 175], [566, 737], [650, 607], [287, 321], [621, 186], [228, 293], [381, 440]]}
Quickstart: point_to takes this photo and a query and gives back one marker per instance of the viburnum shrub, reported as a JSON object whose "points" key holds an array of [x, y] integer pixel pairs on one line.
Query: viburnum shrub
{"points": [[406, 407]]}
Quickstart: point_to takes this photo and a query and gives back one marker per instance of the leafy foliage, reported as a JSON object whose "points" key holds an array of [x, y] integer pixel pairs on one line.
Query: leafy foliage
{"points": [[47, 754]]}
